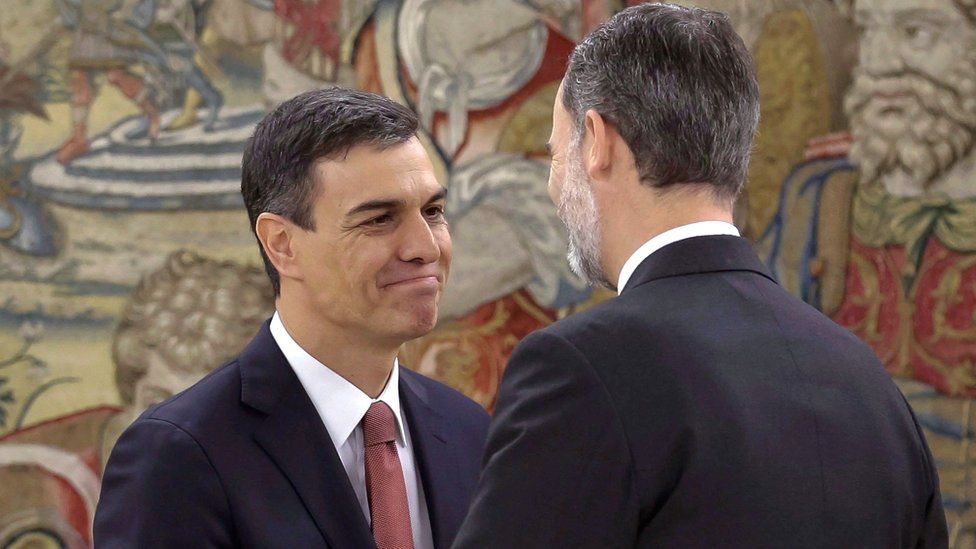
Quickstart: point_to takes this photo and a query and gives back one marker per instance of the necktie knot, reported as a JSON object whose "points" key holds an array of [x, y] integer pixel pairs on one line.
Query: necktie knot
{"points": [[379, 425]]}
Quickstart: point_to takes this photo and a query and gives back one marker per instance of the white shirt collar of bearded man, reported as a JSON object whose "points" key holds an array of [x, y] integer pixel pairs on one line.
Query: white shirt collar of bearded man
{"points": [[700, 228]]}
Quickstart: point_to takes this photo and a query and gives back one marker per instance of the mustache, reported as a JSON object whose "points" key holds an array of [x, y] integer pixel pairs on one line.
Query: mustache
{"points": [[906, 76], [936, 96], [939, 123]]}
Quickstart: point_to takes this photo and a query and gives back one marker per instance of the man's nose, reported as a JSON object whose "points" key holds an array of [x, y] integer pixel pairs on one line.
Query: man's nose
{"points": [[880, 53], [418, 242]]}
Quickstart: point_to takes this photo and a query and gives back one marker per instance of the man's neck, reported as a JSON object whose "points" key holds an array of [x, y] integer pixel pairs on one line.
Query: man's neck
{"points": [[365, 364], [623, 234]]}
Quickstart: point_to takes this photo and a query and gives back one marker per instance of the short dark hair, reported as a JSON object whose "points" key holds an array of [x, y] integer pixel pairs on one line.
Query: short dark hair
{"points": [[679, 85], [278, 159]]}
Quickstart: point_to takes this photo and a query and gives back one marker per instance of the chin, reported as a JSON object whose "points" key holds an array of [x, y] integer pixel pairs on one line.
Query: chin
{"points": [[414, 323], [423, 326]]}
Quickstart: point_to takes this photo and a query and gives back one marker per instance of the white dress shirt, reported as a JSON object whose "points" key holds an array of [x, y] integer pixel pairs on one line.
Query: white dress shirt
{"points": [[341, 406], [701, 228]]}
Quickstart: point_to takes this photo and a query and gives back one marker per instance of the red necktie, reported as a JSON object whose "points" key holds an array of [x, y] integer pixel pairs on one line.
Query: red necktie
{"points": [[388, 508]]}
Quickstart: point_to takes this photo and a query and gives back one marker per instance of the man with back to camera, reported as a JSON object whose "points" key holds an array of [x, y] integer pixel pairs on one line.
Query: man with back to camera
{"points": [[704, 406], [314, 436]]}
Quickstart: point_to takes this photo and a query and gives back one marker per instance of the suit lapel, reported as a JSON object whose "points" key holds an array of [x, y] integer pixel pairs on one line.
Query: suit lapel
{"points": [[434, 457], [298, 443]]}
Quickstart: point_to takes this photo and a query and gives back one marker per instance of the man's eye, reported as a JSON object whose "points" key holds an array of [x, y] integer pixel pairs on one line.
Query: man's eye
{"points": [[379, 221], [920, 35], [435, 212]]}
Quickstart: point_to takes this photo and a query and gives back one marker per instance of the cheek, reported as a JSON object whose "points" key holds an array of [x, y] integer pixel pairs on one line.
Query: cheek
{"points": [[935, 62], [367, 266], [340, 264], [942, 58], [364, 269]]}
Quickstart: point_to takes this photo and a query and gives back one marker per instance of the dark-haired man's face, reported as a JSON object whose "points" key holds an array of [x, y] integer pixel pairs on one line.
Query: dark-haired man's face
{"points": [[376, 263]]}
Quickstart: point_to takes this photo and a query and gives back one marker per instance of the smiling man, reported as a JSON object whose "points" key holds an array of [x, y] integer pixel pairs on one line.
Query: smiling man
{"points": [[315, 436]]}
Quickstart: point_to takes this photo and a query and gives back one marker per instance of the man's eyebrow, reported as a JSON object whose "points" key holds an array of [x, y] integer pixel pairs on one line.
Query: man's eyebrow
{"points": [[549, 148], [390, 204], [378, 204], [439, 195]]}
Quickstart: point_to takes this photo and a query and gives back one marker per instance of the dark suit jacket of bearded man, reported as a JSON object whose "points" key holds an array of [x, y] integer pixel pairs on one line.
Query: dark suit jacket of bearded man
{"points": [[703, 407]]}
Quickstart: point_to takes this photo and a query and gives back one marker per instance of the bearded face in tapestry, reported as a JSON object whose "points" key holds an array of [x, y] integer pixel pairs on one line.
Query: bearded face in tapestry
{"points": [[911, 281], [880, 232]]}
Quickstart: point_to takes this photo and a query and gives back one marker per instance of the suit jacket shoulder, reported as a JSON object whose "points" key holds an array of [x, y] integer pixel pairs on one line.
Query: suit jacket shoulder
{"points": [[157, 460], [704, 406], [204, 407]]}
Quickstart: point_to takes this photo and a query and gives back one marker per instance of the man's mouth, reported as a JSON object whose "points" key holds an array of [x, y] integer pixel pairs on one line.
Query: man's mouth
{"points": [[892, 102], [891, 110], [423, 280], [892, 95]]}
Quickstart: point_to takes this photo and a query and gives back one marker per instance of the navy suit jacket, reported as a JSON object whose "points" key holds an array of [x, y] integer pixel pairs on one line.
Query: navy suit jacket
{"points": [[703, 407], [242, 459]]}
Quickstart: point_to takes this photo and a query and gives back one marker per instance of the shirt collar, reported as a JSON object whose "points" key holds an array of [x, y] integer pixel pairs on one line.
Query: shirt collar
{"points": [[700, 228], [339, 403]]}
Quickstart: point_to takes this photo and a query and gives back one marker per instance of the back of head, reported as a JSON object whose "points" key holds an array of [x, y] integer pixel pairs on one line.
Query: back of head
{"points": [[679, 85]]}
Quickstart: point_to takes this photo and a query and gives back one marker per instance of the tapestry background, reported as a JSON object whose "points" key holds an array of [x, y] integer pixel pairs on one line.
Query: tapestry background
{"points": [[127, 268]]}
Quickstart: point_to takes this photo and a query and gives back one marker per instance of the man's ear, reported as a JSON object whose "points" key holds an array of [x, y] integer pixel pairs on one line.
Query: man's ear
{"points": [[598, 144], [277, 236]]}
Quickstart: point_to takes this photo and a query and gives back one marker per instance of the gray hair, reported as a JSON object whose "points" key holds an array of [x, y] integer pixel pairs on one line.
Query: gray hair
{"points": [[679, 85]]}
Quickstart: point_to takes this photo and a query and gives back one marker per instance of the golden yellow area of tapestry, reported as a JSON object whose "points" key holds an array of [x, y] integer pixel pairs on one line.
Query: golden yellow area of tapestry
{"points": [[871, 298], [77, 356], [530, 127], [833, 238], [795, 106]]}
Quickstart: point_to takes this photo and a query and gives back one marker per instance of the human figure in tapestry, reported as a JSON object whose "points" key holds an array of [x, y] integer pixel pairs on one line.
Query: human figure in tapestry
{"points": [[105, 41], [883, 235], [877, 228]]}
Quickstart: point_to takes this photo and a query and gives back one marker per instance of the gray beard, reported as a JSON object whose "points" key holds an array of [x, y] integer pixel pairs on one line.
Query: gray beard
{"points": [[939, 129], [577, 210]]}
